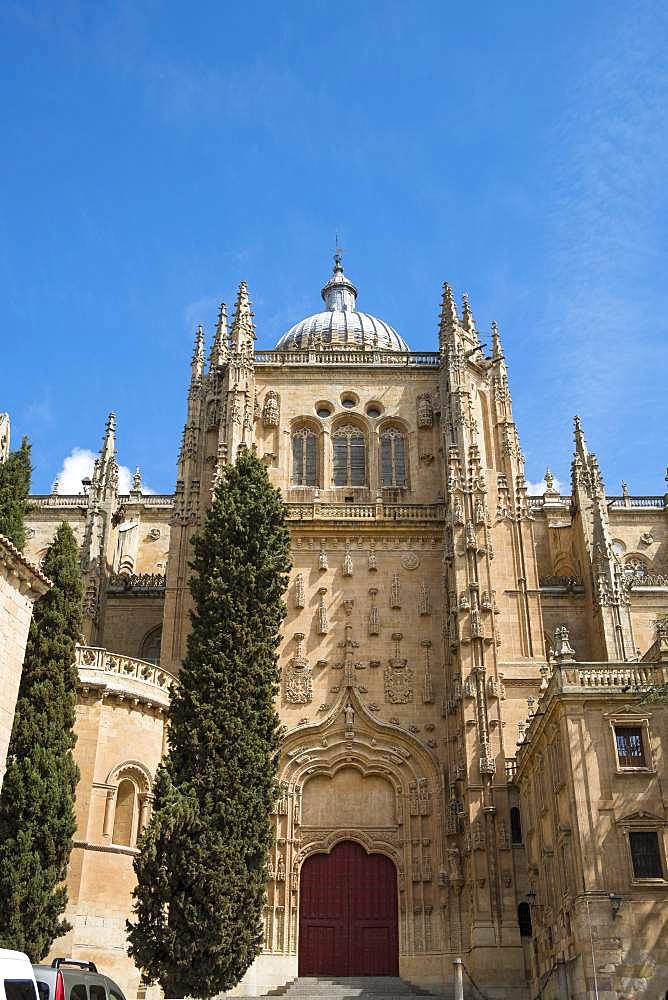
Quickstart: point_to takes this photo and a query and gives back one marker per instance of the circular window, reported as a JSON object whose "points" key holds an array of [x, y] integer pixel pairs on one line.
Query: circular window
{"points": [[374, 410], [349, 400], [324, 409]]}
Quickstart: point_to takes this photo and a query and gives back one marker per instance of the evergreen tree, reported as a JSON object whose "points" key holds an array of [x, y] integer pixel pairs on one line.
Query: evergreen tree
{"points": [[37, 800], [14, 487], [202, 868]]}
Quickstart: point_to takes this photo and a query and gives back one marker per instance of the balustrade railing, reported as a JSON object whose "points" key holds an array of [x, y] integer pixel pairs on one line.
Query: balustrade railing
{"points": [[365, 511], [96, 658], [350, 357], [625, 676]]}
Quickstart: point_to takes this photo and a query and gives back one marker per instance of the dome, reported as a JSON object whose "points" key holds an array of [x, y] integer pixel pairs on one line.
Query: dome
{"points": [[341, 325]]}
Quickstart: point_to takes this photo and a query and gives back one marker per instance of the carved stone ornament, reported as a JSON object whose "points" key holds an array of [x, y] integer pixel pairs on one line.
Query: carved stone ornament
{"points": [[372, 562], [398, 682], [298, 677], [395, 592], [410, 560], [347, 563], [271, 411], [300, 597], [425, 411], [323, 623], [154, 534]]}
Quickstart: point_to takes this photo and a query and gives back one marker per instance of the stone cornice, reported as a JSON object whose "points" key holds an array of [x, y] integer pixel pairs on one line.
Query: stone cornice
{"points": [[30, 579]]}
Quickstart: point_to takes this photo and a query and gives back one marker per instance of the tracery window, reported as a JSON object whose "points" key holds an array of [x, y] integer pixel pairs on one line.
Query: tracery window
{"points": [[349, 456], [392, 458], [304, 457]]}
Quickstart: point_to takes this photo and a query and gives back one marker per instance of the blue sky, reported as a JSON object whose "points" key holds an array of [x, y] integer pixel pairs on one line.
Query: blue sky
{"points": [[155, 154]]}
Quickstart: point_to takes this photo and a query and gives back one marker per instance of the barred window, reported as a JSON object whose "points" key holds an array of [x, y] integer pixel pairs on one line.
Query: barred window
{"points": [[630, 749], [349, 456], [304, 465], [515, 826], [392, 458], [645, 854]]}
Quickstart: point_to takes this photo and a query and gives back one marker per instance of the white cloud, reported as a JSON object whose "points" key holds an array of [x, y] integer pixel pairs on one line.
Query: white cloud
{"points": [[79, 464], [537, 489]]}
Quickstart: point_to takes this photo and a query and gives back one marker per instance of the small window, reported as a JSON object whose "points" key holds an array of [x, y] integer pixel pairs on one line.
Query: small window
{"points": [[524, 920], [515, 826], [77, 992], [123, 817], [630, 749], [19, 989], [645, 854], [97, 991], [392, 459], [150, 649], [304, 464], [349, 457], [324, 411], [348, 403]]}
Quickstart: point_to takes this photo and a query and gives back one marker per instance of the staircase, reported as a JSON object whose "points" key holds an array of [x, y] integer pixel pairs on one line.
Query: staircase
{"points": [[335, 988]]}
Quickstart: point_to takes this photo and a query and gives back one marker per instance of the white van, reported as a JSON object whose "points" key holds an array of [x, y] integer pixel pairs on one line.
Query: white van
{"points": [[17, 979]]}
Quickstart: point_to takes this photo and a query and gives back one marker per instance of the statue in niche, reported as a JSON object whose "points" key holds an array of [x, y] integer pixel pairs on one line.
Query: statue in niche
{"points": [[271, 412], [349, 715], [280, 869]]}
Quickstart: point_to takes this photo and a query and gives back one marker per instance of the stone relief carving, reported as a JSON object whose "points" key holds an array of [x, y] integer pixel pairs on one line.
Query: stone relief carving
{"points": [[410, 560], [425, 410], [395, 592], [323, 623], [298, 677], [347, 562], [424, 599], [374, 613], [271, 410], [300, 596]]}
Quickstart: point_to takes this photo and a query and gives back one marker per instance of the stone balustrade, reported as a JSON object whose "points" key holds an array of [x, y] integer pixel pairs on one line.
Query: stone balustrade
{"points": [[350, 357], [610, 676], [316, 511], [123, 677]]}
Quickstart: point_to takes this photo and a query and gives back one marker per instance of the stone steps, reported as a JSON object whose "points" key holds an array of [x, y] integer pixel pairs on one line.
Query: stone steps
{"points": [[339, 988]]}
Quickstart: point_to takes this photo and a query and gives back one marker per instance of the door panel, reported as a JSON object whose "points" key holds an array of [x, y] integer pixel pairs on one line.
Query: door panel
{"points": [[348, 914]]}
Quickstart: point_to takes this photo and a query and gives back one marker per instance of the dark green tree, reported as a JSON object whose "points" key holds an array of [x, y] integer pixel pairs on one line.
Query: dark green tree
{"points": [[202, 867], [14, 487], [37, 820]]}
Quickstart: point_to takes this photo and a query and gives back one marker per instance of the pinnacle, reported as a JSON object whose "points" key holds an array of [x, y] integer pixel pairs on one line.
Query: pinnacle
{"points": [[243, 329], [197, 363], [468, 319], [449, 316], [220, 344], [497, 349]]}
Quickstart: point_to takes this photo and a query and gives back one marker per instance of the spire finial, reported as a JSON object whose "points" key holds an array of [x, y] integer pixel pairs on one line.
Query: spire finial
{"points": [[136, 481], [197, 364], [497, 349], [243, 328], [220, 346], [338, 256], [468, 319]]}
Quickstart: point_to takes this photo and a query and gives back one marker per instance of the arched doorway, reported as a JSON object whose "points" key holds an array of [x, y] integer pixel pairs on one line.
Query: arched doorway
{"points": [[348, 914]]}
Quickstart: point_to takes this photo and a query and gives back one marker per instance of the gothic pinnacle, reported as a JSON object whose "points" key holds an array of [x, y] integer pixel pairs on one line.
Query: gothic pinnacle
{"points": [[197, 364], [497, 349], [449, 319], [220, 346], [243, 329], [468, 320]]}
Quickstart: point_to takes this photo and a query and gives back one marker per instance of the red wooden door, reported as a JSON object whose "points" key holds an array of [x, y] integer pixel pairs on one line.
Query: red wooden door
{"points": [[348, 914]]}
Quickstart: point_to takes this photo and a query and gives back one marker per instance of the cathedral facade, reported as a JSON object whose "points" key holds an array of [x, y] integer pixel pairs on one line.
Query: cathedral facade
{"points": [[439, 618]]}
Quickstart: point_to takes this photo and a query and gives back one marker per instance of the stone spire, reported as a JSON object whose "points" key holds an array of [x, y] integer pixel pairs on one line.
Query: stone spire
{"points": [[220, 347], [243, 329], [468, 320], [197, 364], [449, 319], [497, 349]]}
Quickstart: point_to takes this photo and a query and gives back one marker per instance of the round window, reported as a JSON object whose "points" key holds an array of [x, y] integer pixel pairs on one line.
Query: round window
{"points": [[372, 411], [348, 403], [323, 411], [349, 399]]}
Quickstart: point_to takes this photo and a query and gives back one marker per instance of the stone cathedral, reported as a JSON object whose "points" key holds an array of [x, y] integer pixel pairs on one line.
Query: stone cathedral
{"points": [[468, 769]]}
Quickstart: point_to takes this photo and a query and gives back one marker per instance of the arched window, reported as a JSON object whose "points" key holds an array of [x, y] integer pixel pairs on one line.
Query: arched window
{"points": [[392, 458], [150, 647], [124, 814], [524, 920], [515, 826], [304, 462], [349, 456]]}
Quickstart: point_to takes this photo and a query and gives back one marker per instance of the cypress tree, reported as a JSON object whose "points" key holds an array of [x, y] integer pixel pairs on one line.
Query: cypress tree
{"points": [[15, 475], [37, 820], [202, 866]]}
